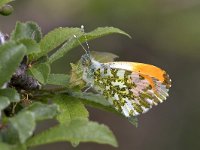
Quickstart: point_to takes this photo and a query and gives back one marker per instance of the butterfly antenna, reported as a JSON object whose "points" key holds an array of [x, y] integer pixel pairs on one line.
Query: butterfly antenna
{"points": [[86, 41], [81, 44]]}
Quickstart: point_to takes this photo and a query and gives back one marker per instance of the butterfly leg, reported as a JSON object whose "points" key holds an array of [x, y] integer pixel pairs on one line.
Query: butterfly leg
{"points": [[89, 86]]}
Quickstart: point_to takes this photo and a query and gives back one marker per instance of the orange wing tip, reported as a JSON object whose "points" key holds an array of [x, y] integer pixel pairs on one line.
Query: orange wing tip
{"points": [[153, 71]]}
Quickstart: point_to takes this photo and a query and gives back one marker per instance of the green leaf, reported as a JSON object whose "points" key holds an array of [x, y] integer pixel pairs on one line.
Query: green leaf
{"points": [[11, 55], [40, 72], [3, 2], [91, 97], [77, 130], [58, 79], [27, 30], [12, 94], [5, 146], [10, 135], [99, 32], [24, 124], [103, 57], [57, 37], [19, 147], [4, 102], [102, 31], [70, 109], [42, 111], [31, 45], [21, 126]]}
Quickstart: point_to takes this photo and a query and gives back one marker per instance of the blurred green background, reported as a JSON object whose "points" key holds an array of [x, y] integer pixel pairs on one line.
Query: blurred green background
{"points": [[165, 33]]}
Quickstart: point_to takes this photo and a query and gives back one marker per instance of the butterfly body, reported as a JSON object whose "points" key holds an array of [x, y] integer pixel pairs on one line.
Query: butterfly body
{"points": [[132, 88]]}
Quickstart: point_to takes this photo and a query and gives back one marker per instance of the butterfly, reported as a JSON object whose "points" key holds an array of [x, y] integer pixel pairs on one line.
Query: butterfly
{"points": [[131, 88]]}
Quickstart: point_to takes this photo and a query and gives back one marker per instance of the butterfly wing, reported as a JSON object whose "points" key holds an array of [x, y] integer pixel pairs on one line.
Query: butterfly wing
{"points": [[132, 88]]}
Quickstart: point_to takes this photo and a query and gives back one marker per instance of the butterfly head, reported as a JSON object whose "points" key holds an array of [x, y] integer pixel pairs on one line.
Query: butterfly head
{"points": [[86, 60]]}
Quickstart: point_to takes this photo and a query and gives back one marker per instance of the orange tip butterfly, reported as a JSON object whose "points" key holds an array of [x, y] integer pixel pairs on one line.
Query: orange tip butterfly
{"points": [[131, 88]]}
